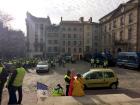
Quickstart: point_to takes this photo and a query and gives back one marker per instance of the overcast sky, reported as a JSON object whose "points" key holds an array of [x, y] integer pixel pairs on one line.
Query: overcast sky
{"points": [[68, 9]]}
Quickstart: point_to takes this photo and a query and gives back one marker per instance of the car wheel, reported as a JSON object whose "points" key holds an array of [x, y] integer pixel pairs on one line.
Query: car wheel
{"points": [[114, 86]]}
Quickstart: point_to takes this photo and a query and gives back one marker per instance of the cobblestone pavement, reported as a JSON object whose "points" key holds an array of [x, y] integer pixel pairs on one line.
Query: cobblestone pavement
{"points": [[129, 82]]}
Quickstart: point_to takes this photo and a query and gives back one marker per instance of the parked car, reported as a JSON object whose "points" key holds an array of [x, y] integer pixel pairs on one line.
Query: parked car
{"points": [[129, 59], [42, 66], [101, 78]]}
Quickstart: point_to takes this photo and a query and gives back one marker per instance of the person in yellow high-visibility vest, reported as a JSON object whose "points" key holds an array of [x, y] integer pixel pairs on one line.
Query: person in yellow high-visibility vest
{"points": [[15, 84], [58, 91], [3, 78]]}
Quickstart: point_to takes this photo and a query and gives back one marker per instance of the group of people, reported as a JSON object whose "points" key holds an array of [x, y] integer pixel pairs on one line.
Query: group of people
{"points": [[98, 63], [74, 85], [13, 75]]}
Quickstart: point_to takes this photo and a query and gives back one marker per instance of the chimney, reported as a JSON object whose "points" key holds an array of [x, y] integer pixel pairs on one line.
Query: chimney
{"points": [[61, 18], [81, 19], [90, 19]]}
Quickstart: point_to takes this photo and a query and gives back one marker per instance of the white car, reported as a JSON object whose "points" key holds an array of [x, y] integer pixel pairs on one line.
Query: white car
{"points": [[42, 66]]}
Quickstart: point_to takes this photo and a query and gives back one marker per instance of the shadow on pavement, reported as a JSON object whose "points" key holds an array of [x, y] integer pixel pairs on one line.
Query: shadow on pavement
{"points": [[101, 91]]}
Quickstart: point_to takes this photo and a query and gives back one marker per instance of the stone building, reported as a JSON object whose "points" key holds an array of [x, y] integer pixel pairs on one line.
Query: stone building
{"points": [[71, 38], [75, 38], [52, 41], [120, 29], [36, 35]]}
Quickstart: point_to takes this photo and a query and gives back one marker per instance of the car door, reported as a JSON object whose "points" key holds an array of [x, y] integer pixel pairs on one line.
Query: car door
{"points": [[95, 79], [109, 78]]}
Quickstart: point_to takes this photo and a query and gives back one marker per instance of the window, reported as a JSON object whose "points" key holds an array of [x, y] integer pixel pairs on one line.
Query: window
{"points": [[129, 33], [114, 23], [69, 43], [130, 18], [96, 75], [80, 43], [49, 41], [69, 50], [63, 42], [55, 41], [63, 35], [69, 35], [75, 43], [96, 37], [63, 29], [69, 29], [105, 29], [74, 29], [41, 26], [55, 49], [121, 35], [108, 75], [110, 26], [80, 50], [49, 49], [75, 36], [88, 28], [63, 49], [75, 50], [121, 21], [95, 44]]}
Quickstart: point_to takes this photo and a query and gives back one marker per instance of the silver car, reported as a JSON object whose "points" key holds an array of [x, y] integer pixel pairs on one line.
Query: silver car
{"points": [[42, 66]]}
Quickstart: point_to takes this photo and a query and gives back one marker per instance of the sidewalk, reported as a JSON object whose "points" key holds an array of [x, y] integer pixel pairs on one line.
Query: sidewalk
{"points": [[111, 99]]}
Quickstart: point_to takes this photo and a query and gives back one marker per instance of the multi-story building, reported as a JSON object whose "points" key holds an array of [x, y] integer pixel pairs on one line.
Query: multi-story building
{"points": [[52, 40], [88, 27], [36, 34], [71, 38], [96, 36], [121, 28]]}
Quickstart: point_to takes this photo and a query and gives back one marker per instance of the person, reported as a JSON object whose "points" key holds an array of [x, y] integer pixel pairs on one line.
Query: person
{"points": [[67, 81], [105, 65], [63, 62], [92, 62], [97, 62], [58, 91], [15, 84], [3, 78], [78, 86]]}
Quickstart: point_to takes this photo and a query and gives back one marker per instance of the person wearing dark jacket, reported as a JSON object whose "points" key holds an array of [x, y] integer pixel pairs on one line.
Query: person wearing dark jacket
{"points": [[67, 79], [3, 79]]}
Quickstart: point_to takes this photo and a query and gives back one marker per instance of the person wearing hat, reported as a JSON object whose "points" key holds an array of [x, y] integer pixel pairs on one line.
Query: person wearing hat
{"points": [[3, 78], [58, 91]]}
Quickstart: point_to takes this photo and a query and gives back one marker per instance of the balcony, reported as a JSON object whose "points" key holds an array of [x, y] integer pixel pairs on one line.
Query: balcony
{"points": [[121, 42]]}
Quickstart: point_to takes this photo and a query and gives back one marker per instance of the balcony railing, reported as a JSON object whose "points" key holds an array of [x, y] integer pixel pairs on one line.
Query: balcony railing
{"points": [[121, 42]]}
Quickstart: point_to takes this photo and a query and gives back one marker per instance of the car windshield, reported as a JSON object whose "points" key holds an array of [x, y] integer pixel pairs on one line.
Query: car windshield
{"points": [[42, 63]]}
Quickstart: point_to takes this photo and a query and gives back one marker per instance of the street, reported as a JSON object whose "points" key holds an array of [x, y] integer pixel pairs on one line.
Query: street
{"points": [[129, 82]]}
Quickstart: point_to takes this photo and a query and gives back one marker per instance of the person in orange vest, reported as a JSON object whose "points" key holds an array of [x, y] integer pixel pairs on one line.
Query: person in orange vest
{"points": [[78, 86]]}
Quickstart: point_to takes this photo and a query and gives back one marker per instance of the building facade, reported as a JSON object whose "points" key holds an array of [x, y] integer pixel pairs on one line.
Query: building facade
{"points": [[36, 35], [71, 38], [75, 38], [52, 41], [120, 29]]}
